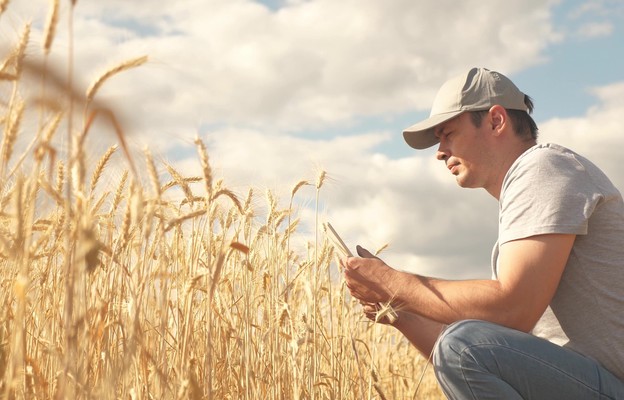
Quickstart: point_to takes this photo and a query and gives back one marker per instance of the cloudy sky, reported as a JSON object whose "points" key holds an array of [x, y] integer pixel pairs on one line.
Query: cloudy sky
{"points": [[282, 89]]}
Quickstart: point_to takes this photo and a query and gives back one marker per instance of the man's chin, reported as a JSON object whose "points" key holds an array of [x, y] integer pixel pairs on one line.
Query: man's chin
{"points": [[463, 183]]}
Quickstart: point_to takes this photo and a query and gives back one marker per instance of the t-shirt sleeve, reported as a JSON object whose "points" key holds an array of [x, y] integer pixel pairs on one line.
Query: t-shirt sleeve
{"points": [[546, 192]]}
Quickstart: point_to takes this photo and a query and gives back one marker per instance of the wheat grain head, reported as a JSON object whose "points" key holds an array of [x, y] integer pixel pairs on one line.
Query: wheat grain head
{"points": [[207, 171], [16, 58], [123, 66], [50, 28], [11, 131], [99, 168], [3, 5]]}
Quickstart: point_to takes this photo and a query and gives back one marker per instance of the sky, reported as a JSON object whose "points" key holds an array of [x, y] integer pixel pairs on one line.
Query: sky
{"points": [[281, 90]]}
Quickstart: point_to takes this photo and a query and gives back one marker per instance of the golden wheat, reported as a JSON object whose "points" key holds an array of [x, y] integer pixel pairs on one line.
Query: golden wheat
{"points": [[123, 66], [10, 131], [50, 28], [3, 5], [128, 294], [99, 168], [12, 65]]}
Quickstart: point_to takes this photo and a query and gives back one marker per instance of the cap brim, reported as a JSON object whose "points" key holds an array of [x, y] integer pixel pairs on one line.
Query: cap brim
{"points": [[421, 135]]}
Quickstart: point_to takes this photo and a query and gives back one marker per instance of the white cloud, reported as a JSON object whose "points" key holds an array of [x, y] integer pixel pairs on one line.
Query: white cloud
{"points": [[254, 76], [595, 29], [432, 226], [413, 204], [596, 19], [311, 64], [597, 8], [597, 134]]}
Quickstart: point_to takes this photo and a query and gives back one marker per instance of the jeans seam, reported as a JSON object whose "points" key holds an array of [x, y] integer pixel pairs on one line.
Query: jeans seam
{"points": [[528, 355], [600, 384]]}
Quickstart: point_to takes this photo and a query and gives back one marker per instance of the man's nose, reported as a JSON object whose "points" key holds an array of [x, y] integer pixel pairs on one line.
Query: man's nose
{"points": [[442, 154]]}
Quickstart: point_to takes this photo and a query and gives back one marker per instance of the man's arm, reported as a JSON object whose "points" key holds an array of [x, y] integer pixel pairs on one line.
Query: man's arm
{"points": [[528, 275], [421, 332]]}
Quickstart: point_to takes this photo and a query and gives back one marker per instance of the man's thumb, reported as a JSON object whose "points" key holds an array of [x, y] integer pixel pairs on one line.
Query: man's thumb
{"points": [[362, 252]]}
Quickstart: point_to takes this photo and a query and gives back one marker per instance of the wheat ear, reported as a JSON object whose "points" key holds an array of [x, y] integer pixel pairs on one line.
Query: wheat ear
{"points": [[99, 168], [203, 157], [135, 62], [320, 179], [3, 5], [11, 131], [50, 28], [180, 181], [17, 55]]}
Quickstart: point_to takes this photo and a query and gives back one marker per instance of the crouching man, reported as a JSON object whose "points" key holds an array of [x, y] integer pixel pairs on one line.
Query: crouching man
{"points": [[550, 324]]}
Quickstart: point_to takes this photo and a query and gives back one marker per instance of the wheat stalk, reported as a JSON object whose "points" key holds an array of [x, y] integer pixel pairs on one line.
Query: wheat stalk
{"points": [[153, 174], [3, 5], [207, 171], [16, 57], [50, 27], [10, 132], [99, 168], [118, 193], [179, 220], [296, 188], [118, 132], [60, 176], [6, 76], [182, 182], [230, 195], [123, 66], [320, 179], [160, 307], [43, 146]]}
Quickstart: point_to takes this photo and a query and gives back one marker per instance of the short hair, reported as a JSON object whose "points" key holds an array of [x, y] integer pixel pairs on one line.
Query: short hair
{"points": [[523, 123]]}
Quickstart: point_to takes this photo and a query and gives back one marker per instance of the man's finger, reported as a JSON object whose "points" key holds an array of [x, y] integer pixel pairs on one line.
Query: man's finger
{"points": [[368, 308], [351, 264], [362, 252]]}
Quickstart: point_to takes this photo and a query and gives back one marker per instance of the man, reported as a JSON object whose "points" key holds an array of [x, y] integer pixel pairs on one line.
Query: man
{"points": [[558, 264]]}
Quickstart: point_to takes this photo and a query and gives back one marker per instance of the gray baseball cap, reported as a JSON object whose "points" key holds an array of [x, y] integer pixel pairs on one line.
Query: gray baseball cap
{"points": [[475, 90]]}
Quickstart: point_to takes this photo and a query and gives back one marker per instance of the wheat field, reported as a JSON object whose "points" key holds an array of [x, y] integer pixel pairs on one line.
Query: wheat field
{"points": [[159, 285]]}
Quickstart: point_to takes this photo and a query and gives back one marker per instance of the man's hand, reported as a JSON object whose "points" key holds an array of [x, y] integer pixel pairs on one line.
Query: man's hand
{"points": [[368, 278], [381, 314]]}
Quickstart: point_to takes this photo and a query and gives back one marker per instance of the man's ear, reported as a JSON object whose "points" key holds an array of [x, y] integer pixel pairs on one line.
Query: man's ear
{"points": [[498, 118]]}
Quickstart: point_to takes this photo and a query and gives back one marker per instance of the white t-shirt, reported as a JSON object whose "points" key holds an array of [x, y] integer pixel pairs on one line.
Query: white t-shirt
{"points": [[550, 189]]}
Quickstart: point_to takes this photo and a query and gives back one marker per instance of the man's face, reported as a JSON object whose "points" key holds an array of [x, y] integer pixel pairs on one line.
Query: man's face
{"points": [[465, 151]]}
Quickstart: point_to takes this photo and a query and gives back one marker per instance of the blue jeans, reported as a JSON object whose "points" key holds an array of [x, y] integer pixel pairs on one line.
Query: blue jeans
{"points": [[480, 360]]}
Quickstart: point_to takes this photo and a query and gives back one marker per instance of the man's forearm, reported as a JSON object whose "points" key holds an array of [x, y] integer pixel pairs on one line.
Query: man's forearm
{"points": [[446, 302], [529, 272], [421, 332]]}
